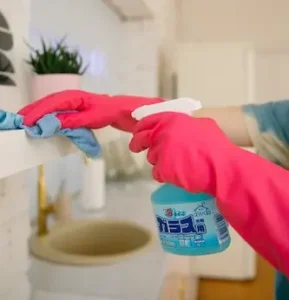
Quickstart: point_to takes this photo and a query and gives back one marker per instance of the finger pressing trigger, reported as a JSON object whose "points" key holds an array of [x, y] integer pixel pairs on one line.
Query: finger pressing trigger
{"points": [[147, 123]]}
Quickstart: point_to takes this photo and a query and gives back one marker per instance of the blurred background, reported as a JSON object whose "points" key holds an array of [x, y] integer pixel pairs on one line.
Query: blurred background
{"points": [[224, 52]]}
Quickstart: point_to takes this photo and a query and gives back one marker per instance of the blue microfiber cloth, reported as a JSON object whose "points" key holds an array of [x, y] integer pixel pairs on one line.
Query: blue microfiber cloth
{"points": [[48, 126]]}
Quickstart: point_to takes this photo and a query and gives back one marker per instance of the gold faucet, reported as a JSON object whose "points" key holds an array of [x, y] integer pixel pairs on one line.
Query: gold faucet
{"points": [[44, 208]]}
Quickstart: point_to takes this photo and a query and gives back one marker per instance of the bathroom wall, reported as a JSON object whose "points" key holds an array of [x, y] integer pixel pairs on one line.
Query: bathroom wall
{"points": [[167, 13], [263, 23], [123, 59], [260, 24]]}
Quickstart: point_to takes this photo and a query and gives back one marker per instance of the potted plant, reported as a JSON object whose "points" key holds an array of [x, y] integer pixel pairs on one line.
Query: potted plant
{"points": [[55, 67]]}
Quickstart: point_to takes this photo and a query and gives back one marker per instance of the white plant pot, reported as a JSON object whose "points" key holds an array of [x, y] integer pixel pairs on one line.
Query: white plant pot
{"points": [[43, 85]]}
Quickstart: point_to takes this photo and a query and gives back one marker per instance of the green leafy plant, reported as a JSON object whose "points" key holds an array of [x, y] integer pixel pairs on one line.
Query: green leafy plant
{"points": [[56, 59]]}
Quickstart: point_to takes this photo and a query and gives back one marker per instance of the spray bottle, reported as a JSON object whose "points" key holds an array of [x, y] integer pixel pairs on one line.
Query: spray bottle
{"points": [[188, 224]]}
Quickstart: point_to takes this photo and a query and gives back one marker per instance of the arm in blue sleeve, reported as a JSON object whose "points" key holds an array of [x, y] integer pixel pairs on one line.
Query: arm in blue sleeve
{"points": [[268, 126]]}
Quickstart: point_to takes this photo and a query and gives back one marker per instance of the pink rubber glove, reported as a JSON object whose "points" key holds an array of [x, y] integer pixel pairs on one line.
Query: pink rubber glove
{"points": [[92, 110], [252, 193]]}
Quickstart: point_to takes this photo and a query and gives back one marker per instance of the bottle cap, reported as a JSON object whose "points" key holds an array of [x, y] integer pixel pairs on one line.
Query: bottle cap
{"points": [[181, 105]]}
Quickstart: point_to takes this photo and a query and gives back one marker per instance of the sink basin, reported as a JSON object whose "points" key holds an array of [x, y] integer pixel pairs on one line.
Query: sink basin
{"points": [[91, 242]]}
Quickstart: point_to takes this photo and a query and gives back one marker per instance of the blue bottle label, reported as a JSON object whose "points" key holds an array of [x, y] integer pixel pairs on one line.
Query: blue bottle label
{"points": [[191, 225]]}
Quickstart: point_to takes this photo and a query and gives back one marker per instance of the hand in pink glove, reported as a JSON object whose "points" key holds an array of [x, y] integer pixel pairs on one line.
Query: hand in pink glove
{"points": [[251, 192], [182, 149], [91, 110]]}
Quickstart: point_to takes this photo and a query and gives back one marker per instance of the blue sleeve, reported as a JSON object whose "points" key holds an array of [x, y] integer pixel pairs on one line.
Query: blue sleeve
{"points": [[268, 127], [271, 117]]}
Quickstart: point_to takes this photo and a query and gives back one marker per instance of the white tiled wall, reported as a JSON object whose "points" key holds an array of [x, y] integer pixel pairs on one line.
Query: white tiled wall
{"points": [[138, 73], [166, 27], [129, 64]]}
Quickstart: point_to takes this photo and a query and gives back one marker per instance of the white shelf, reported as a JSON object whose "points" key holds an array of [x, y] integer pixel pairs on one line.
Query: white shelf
{"points": [[19, 152], [130, 10]]}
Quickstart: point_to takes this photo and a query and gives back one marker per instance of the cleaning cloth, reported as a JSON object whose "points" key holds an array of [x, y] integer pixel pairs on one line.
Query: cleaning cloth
{"points": [[48, 126]]}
